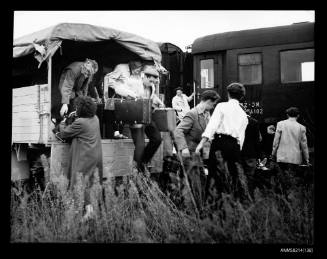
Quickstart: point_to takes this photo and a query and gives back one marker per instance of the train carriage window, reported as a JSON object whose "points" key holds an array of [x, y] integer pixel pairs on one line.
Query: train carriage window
{"points": [[297, 65], [250, 68], [207, 73]]}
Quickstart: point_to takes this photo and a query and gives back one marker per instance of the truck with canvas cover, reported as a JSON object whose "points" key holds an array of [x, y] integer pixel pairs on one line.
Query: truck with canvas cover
{"points": [[38, 61]]}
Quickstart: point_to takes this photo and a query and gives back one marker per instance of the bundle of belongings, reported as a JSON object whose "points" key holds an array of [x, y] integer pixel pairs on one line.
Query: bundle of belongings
{"points": [[67, 120], [183, 180]]}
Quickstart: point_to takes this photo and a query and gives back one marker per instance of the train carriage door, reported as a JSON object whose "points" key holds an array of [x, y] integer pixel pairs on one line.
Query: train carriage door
{"points": [[208, 73]]}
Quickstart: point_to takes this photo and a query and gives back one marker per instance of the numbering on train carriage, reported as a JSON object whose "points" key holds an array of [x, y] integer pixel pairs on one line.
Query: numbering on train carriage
{"points": [[276, 66]]}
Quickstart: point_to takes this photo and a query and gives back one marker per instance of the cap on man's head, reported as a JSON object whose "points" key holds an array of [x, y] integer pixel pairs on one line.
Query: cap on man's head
{"points": [[150, 70], [178, 88], [134, 64]]}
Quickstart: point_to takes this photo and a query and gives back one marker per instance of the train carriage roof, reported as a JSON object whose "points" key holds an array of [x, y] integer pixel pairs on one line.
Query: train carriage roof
{"points": [[168, 47], [301, 32], [144, 48]]}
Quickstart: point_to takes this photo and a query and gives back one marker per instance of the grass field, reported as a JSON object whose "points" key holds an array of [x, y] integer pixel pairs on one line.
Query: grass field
{"points": [[140, 212]]}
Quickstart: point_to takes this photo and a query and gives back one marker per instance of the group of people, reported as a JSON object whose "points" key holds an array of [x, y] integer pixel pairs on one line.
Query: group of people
{"points": [[232, 134], [234, 138], [133, 80]]}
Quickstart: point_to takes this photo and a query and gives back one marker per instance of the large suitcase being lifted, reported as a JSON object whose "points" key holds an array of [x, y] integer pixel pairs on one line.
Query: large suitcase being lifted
{"points": [[133, 111]]}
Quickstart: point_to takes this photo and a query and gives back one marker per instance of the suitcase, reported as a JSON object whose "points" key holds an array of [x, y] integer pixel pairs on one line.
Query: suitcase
{"points": [[165, 119], [133, 111]]}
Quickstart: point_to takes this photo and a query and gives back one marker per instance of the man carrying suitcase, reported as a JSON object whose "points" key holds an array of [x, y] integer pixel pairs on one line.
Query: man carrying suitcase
{"points": [[134, 81], [143, 154]]}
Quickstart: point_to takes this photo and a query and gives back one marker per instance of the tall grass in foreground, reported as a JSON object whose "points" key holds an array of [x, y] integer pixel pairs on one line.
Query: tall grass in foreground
{"points": [[140, 212]]}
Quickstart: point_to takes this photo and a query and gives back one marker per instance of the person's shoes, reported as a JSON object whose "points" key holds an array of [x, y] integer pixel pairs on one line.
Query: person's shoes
{"points": [[120, 136], [144, 170]]}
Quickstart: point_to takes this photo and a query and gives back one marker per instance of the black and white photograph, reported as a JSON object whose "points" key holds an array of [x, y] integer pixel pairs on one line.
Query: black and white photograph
{"points": [[163, 127]]}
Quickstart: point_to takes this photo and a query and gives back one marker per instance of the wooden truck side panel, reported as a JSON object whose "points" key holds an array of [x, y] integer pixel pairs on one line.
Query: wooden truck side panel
{"points": [[31, 114], [117, 158]]}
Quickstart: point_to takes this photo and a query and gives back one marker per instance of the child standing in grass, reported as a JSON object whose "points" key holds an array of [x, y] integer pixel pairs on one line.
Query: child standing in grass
{"points": [[86, 149]]}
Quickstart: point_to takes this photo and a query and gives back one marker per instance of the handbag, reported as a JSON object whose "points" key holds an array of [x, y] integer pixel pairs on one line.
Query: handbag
{"points": [[110, 103]]}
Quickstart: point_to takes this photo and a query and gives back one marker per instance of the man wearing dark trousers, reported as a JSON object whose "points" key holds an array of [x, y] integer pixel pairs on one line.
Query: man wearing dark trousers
{"points": [[143, 154], [137, 80], [226, 130], [251, 151]]}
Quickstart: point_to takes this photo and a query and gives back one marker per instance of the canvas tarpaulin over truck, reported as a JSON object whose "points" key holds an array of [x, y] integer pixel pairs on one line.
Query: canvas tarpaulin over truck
{"points": [[50, 39]]}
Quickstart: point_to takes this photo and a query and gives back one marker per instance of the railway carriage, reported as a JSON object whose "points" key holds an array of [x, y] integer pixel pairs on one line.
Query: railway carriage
{"points": [[276, 65], [173, 59]]}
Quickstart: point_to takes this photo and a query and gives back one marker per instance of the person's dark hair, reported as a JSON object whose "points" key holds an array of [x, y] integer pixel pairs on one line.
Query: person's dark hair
{"points": [[210, 95], [236, 91], [293, 112], [178, 88], [85, 107]]}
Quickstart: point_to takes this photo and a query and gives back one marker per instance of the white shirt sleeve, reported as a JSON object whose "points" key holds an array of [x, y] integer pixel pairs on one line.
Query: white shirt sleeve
{"points": [[189, 98], [213, 123], [119, 74], [123, 90], [118, 80], [156, 101], [175, 104]]}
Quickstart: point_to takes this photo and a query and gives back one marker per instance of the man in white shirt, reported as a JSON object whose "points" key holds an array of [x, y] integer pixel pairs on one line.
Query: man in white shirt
{"points": [[117, 80], [226, 130], [180, 103]]}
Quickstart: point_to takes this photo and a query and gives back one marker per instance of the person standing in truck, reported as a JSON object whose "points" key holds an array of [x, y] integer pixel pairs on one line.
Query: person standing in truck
{"points": [[137, 80], [74, 81]]}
